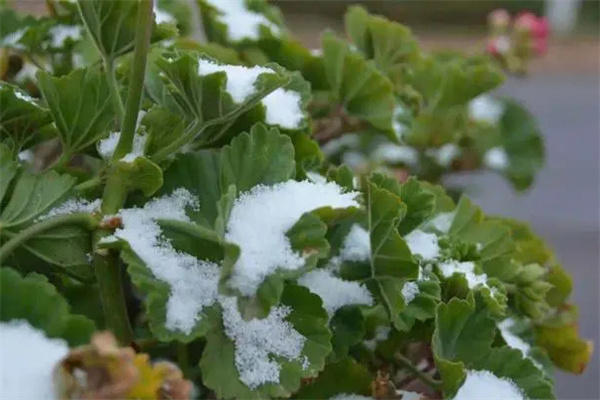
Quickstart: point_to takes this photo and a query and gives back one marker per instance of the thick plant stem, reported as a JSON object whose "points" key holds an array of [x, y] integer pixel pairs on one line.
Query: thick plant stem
{"points": [[138, 71], [19, 239], [109, 65], [110, 283], [406, 363]]}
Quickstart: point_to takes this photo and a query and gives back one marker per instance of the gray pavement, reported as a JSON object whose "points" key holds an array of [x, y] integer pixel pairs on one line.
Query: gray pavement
{"points": [[564, 203]]}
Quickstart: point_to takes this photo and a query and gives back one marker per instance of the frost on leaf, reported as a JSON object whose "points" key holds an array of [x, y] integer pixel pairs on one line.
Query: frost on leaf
{"points": [[260, 219], [481, 385], [28, 360], [240, 79], [240, 22], [72, 206], [193, 282], [258, 340], [335, 292]]}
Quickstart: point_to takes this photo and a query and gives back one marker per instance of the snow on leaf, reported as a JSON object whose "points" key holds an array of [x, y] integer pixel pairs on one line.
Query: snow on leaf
{"points": [[485, 385], [72, 206], [496, 158], [410, 290], [241, 23], [283, 108], [423, 244], [486, 109]]}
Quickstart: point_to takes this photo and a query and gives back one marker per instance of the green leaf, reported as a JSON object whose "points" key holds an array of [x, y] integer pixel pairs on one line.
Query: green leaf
{"points": [[307, 317], [21, 117], [529, 247], [391, 261], [422, 307], [344, 376], [8, 170], [307, 153], [162, 128], [34, 299], [33, 194], [348, 329], [562, 286], [112, 25], [140, 174], [358, 86], [80, 104], [420, 205]]}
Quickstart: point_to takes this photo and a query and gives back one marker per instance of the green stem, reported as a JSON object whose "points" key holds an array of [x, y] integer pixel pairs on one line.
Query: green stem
{"points": [[113, 86], [19, 239], [406, 363], [136, 80], [183, 358], [89, 184]]}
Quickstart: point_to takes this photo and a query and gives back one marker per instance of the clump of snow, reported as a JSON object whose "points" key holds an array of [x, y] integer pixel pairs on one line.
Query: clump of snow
{"points": [[193, 282], [510, 338], [73, 206], [60, 33], [423, 244], [259, 220], [350, 396], [485, 108], [381, 334], [443, 221], [335, 292], [356, 247], [483, 385], [315, 177], [334, 146], [393, 153], [106, 147], [258, 340], [26, 156], [28, 361], [283, 108], [444, 155], [240, 79], [496, 158], [241, 22], [161, 16], [466, 268], [410, 290]]}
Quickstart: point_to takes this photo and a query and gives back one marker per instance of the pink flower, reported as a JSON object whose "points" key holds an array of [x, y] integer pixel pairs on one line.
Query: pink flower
{"points": [[538, 28]]}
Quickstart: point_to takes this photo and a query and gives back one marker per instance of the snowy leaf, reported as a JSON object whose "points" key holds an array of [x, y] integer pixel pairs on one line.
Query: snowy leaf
{"points": [[343, 376], [35, 300], [422, 307], [281, 376], [80, 104]]}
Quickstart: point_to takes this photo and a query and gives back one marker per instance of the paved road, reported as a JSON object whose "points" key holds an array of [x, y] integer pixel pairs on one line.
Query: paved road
{"points": [[564, 204]]}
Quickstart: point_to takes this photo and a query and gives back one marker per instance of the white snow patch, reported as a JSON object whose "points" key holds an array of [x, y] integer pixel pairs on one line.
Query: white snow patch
{"points": [[443, 221], [106, 147], [283, 108], [193, 282], [335, 292], [510, 338], [393, 153], [399, 128], [259, 220], [496, 158], [25, 97], [356, 247], [315, 177], [350, 396], [240, 79], [241, 22], [444, 155], [26, 156], [485, 108], [257, 340], [484, 385], [73, 206], [60, 33], [161, 16], [466, 268], [381, 334], [423, 244], [13, 38], [410, 290], [28, 361], [334, 146]]}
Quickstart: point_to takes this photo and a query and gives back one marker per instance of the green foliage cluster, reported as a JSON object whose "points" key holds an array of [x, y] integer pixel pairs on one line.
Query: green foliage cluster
{"points": [[376, 102]]}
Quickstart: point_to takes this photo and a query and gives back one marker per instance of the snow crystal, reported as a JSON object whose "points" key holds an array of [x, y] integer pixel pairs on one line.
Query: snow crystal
{"points": [[335, 292], [486, 108], [351, 396], [161, 16], [241, 22], [283, 108], [334, 146], [255, 340], [467, 268], [510, 338], [423, 244], [444, 155], [73, 206], [240, 79], [27, 362], [393, 153], [60, 33], [381, 334], [193, 282], [410, 290], [106, 147], [482, 385], [259, 221], [496, 158], [443, 221]]}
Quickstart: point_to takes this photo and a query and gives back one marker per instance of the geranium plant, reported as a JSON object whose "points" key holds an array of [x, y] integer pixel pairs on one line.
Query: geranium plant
{"points": [[201, 212]]}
